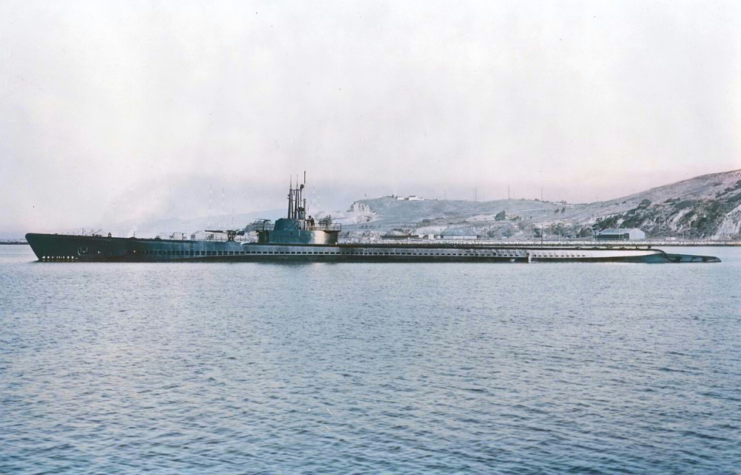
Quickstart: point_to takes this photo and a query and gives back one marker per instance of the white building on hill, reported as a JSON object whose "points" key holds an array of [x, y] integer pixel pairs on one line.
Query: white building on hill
{"points": [[621, 234]]}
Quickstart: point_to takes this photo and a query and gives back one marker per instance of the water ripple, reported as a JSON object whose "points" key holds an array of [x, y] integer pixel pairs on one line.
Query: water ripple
{"points": [[218, 368]]}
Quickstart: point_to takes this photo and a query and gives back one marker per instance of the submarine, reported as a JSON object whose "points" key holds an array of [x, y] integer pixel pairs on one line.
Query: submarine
{"points": [[300, 238]]}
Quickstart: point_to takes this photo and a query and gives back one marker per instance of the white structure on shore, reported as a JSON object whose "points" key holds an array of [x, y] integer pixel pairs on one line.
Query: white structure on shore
{"points": [[621, 234]]}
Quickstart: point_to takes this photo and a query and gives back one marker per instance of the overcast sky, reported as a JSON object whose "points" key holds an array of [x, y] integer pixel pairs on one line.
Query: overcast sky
{"points": [[133, 110]]}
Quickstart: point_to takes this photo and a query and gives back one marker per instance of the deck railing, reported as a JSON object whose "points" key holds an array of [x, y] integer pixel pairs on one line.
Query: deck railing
{"points": [[325, 227]]}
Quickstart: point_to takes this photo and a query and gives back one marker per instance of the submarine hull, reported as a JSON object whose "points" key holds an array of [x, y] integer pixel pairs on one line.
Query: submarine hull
{"points": [[72, 248]]}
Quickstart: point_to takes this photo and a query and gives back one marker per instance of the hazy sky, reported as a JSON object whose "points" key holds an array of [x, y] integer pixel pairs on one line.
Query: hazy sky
{"points": [[133, 110]]}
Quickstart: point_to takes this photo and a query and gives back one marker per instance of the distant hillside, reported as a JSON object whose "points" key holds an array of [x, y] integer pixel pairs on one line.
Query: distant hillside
{"points": [[708, 206]]}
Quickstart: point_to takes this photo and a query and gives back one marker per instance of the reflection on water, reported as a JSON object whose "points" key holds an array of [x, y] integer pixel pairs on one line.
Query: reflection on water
{"points": [[247, 368]]}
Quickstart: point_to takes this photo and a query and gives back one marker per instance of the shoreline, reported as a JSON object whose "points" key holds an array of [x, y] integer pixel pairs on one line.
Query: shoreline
{"points": [[556, 244]]}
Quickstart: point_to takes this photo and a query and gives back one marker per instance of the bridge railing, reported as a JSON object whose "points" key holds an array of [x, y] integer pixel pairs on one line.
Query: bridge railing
{"points": [[325, 227]]}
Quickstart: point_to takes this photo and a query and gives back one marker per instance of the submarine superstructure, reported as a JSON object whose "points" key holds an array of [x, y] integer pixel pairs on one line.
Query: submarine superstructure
{"points": [[300, 238]]}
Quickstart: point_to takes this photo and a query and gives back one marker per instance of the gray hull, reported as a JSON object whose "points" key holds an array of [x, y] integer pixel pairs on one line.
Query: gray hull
{"points": [[70, 248]]}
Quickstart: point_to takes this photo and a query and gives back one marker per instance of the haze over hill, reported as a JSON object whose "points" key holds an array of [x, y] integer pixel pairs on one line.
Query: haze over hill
{"points": [[707, 206]]}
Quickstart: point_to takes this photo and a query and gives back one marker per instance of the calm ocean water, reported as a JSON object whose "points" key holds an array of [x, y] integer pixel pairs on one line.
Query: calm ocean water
{"points": [[367, 368]]}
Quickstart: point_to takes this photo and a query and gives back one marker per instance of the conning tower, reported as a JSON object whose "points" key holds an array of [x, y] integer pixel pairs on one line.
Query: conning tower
{"points": [[298, 227]]}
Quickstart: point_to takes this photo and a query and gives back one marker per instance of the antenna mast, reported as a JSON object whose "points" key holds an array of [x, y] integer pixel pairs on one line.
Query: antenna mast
{"points": [[302, 192], [290, 196]]}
